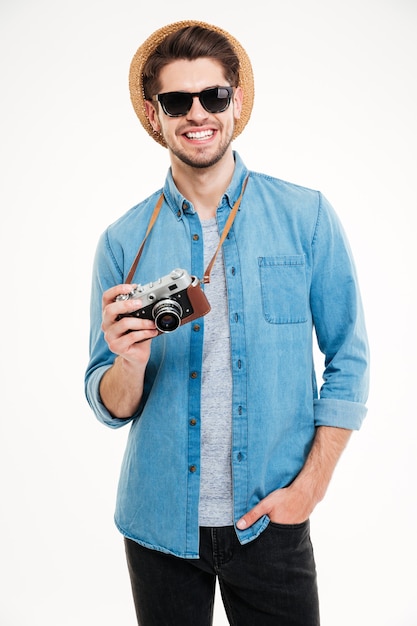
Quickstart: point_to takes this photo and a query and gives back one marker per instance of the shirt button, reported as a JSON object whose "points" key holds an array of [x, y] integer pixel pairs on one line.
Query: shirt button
{"points": [[196, 327], [233, 271], [239, 456], [196, 237], [194, 375], [239, 364], [193, 421], [193, 468], [179, 213]]}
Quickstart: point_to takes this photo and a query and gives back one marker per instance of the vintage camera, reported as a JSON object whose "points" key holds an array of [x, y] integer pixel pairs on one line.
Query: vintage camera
{"points": [[171, 301]]}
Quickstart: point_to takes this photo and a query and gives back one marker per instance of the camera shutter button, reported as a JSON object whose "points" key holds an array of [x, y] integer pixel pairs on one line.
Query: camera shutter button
{"points": [[176, 274]]}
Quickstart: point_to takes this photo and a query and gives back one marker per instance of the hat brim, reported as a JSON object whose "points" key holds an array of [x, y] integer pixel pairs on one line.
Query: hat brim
{"points": [[246, 81]]}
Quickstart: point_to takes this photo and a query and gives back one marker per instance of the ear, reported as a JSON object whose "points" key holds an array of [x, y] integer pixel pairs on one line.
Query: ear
{"points": [[237, 102], [152, 116]]}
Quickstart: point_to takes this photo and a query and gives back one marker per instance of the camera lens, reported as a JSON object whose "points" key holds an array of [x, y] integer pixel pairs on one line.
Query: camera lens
{"points": [[167, 315]]}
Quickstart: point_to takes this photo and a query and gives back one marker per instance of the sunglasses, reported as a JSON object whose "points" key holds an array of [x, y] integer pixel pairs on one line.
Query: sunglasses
{"points": [[178, 103]]}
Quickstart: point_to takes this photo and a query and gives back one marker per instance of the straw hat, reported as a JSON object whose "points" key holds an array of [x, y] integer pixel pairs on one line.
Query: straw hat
{"points": [[149, 46]]}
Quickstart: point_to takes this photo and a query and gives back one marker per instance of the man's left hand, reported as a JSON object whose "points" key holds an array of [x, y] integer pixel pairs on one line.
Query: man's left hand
{"points": [[283, 506]]}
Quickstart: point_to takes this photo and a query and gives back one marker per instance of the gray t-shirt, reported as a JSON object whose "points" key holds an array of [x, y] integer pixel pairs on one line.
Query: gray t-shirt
{"points": [[216, 502]]}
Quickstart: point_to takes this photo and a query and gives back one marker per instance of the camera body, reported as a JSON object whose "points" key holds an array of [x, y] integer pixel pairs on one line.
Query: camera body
{"points": [[170, 301]]}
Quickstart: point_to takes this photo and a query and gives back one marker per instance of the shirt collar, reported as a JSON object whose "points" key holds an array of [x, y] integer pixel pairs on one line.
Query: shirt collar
{"points": [[180, 205]]}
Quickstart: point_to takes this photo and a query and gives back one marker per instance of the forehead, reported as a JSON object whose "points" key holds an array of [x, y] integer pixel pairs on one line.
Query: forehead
{"points": [[185, 75]]}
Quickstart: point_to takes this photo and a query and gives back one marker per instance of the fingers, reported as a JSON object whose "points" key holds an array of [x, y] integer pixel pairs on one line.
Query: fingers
{"points": [[109, 296], [122, 338], [124, 335], [112, 308]]}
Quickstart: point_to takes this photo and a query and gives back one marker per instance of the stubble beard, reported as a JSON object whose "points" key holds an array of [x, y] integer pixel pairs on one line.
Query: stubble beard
{"points": [[201, 160]]}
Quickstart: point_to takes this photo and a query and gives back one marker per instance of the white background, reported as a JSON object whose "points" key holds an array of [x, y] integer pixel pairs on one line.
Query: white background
{"points": [[335, 110]]}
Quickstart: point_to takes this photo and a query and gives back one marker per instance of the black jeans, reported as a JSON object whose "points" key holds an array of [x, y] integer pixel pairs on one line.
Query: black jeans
{"points": [[271, 580]]}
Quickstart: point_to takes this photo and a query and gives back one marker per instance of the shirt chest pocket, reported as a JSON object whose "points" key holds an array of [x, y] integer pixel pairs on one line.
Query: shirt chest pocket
{"points": [[284, 289]]}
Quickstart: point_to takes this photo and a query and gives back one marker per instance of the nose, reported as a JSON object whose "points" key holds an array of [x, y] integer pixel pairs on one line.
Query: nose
{"points": [[197, 111]]}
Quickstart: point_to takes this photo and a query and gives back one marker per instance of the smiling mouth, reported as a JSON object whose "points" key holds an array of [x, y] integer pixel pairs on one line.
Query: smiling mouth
{"points": [[202, 134]]}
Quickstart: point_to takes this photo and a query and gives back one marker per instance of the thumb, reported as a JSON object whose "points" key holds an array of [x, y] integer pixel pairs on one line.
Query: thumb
{"points": [[251, 517]]}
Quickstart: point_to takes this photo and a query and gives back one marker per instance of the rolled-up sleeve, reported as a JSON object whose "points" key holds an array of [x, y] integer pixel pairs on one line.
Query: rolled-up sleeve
{"points": [[340, 326]]}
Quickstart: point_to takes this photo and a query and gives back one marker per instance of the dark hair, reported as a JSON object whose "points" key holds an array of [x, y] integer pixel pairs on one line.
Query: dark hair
{"points": [[190, 43]]}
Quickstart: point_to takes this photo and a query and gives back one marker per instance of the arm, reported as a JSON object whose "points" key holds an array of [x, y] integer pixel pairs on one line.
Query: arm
{"points": [[295, 503], [339, 322], [121, 386]]}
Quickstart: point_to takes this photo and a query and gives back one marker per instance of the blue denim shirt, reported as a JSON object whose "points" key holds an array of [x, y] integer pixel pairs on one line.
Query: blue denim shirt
{"points": [[289, 270]]}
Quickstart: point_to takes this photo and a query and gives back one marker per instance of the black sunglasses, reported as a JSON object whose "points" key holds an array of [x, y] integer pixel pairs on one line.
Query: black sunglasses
{"points": [[178, 103]]}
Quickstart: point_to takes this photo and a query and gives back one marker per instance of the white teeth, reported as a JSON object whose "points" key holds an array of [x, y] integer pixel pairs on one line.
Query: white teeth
{"points": [[203, 134]]}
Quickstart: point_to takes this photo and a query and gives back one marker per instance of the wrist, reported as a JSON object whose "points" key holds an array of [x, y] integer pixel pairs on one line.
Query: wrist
{"points": [[310, 488], [129, 367]]}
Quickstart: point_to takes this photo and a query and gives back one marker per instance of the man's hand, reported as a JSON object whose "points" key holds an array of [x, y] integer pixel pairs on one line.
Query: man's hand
{"points": [[121, 387], [294, 504], [283, 506], [128, 336]]}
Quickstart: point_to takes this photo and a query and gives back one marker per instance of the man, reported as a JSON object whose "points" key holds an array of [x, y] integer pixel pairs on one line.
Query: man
{"points": [[231, 444]]}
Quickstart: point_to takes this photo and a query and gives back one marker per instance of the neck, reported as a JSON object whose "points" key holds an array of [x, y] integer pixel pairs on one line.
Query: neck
{"points": [[204, 187]]}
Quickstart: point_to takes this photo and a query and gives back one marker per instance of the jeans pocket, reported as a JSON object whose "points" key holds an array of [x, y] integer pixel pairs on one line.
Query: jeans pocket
{"points": [[289, 527], [290, 537]]}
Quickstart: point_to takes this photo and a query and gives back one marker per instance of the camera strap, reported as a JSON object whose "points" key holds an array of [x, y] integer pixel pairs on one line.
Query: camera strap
{"points": [[226, 229], [142, 245]]}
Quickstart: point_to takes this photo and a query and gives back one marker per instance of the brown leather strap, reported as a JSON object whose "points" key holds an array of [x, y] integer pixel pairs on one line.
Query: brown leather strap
{"points": [[227, 227], [150, 226]]}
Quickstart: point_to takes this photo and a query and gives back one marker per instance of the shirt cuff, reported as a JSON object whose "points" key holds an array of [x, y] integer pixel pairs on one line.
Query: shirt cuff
{"points": [[339, 413]]}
